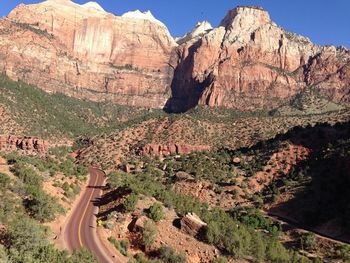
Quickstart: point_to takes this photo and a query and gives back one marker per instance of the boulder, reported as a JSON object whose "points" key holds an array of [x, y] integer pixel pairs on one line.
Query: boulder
{"points": [[192, 225], [140, 223]]}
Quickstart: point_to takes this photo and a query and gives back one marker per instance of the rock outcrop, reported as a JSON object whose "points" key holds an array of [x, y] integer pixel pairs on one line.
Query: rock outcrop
{"points": [[25, 144], [164, 150], [83, 51], [250, 63], [192, 225]]}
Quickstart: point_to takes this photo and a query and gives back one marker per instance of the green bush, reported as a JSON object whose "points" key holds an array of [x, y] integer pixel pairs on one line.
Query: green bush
{"points": [[122, 246], [149, 234], [168, 254], [43, 206], [4, 180], [156, 212], [308, 241], [130, 202], [343, 252], [219, 260]]}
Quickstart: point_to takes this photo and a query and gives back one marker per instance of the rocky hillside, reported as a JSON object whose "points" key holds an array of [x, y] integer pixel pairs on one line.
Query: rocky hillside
{"points": [[246, 63]]}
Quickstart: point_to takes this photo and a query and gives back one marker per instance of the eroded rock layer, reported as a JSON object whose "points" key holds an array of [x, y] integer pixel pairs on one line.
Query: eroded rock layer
{"points": [[25, 144]]}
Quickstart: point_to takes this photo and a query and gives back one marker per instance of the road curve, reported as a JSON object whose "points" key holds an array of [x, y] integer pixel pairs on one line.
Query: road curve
{"points": [[80, 230]]}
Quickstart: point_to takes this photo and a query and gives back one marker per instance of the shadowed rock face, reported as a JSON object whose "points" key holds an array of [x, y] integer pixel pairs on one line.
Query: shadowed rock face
{"points": [[249, 63], [246, 63], [88, 53]]}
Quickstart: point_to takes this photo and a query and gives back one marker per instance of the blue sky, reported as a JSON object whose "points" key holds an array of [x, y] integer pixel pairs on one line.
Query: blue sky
{"points": [[323, 21]]}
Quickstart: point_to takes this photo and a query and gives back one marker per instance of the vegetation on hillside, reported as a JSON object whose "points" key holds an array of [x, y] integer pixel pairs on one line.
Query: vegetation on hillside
{"points": [[59, 116], [25, 206]]}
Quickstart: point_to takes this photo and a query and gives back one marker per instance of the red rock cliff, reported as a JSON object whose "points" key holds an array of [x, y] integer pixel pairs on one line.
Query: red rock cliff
{"points": [[249, 63], [83, 51], [246, 63]]}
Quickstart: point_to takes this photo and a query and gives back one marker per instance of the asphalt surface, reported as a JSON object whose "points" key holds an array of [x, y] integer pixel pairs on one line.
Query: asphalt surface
{"points": [[80, 230]]}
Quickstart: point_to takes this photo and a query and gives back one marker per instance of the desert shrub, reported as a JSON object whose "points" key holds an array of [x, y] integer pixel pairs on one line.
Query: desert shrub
{"points": [[149, 234], [130, 202], [125, 244], [252, 217], [116, 179], [141, 258], [122, 246], [65, 187], [276, 252], [26, 174], [4, 180], [156, 212], [82, 256], [26, 235], [308, 241], [42, 206], [169, 255], [3, 255], [343, 252], [219, 260]]}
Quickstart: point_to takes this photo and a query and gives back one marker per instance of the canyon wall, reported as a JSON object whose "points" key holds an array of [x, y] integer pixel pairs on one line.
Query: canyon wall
{"points": [[247, 63], [88, 53]]}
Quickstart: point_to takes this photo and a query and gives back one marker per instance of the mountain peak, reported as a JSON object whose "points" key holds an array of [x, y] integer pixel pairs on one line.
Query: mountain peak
{"points": [[93, 5], [147, 15], [246, 17], [200, 29]]}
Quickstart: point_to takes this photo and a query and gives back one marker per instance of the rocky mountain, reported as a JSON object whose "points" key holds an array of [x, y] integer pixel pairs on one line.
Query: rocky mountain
{"points": [[85, 52], [247, 63]]}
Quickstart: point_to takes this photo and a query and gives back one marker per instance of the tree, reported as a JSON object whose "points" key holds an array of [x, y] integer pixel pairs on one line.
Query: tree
{"points": [[115, 180], [26, 235], [156, 212], [149, 234], [43, 206]]}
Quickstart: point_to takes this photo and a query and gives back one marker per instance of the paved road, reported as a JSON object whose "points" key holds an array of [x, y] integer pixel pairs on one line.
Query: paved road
{"points": [[80, 230]]}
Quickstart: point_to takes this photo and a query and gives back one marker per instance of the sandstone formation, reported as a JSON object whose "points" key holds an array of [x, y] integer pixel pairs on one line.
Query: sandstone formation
{"points": [[164, 150], [25, 144], [83, 51], [247, 63], [250, 63], [192, 225]]}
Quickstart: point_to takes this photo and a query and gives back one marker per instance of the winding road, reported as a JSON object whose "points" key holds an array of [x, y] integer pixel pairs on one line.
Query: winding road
{"points": [[80, 229]]}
